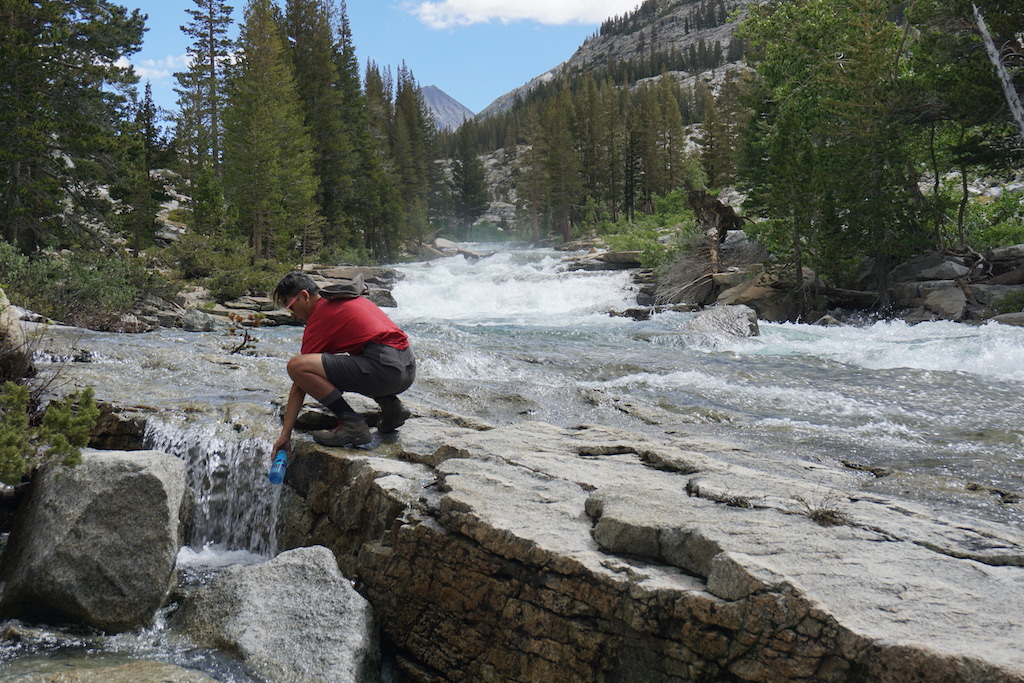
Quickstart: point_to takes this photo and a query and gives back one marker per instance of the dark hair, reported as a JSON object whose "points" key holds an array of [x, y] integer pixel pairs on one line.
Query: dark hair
{"points": [[290, 285]]}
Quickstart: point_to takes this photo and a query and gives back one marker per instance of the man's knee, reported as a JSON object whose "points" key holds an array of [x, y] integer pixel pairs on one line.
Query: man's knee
{"points": [[304, 365]]}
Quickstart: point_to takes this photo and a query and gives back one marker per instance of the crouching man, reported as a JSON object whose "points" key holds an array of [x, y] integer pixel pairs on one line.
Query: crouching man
{"points": [[348, 345]]}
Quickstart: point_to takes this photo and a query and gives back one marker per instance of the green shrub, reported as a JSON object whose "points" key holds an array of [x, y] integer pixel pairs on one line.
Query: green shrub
{"points": [[997, 223], [60, 436], [180, 216], [80, 287], [671, 228], [222, 264], [334, 255], [642, 237], [1011, 303]]}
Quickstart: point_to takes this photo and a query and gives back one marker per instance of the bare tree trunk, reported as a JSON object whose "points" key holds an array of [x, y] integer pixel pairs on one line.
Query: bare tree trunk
{"points": [[1016, 109]]}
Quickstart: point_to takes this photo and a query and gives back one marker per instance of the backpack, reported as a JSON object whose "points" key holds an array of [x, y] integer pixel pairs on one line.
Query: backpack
{"points": [[346, 289]]}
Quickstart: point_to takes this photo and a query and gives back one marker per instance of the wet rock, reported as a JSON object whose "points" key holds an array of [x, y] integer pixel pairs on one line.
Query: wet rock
{"points": [[101, 670], [294, 618], [96, 544], [1015, 319], [767, 296], [1008, 257], [735, 321], [382, 297], [828, 321], [603, 260], [949, 303], [532, 552], [196, 320], [250, 303]]}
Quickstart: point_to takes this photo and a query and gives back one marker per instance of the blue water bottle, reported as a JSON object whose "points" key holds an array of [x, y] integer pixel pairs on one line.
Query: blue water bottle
{"points": [[276, 474]]}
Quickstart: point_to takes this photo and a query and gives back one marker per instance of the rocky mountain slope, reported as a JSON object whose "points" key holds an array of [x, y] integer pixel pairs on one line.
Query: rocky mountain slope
{"points": [[448, 112], [670, 28]]}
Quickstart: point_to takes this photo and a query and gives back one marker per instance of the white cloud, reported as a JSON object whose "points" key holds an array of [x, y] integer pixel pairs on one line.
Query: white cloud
{"points": [[449, 13], [158, 70]]}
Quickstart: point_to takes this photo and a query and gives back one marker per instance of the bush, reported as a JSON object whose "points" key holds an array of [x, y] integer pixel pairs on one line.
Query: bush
{"points": [[997, 223], [671, 228], [223, 265], [60, 435], [335, 255], [1011, 303], [82, 287]]}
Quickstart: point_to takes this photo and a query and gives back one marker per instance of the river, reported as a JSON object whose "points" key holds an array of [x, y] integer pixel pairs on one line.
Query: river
{"points": [[512, 336]]}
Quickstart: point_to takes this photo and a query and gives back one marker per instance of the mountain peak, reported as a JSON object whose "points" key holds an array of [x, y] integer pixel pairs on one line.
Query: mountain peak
{"points": [[448, 112]]}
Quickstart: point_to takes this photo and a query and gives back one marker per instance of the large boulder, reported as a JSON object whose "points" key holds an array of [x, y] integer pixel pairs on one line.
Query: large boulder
{"points": [[97, 543], [15, 359], [935, 265], [768, 295], [294, 618], [1006, 258]]}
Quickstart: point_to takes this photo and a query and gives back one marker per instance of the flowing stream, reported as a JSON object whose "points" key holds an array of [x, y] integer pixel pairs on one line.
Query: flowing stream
{"points": [[511, 337]]}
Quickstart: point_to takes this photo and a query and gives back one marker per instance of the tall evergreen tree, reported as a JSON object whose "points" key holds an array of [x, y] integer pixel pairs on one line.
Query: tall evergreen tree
{"points": [[530, 175], [413, 150], [381, 207], [268, 170], [201, 96], [204, 81], [59, 112], [468, 184], [561, 164], [313, 27], [832, 159]]}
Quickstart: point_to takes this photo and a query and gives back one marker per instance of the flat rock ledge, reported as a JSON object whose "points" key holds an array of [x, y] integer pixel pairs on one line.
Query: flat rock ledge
{"points": [[537, 553]]}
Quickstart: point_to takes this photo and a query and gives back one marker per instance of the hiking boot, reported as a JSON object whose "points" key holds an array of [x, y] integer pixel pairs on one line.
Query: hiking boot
{"points": [[351, 431], [393, 415]]}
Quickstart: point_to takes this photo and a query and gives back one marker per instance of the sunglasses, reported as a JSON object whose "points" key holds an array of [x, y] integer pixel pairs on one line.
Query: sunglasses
{"points": [[293, 300]]}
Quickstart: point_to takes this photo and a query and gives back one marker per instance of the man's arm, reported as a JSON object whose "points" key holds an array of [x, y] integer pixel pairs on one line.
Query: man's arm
{"points": [[291, 413]]}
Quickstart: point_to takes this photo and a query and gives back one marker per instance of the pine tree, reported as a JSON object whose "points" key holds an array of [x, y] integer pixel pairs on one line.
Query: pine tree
{"points": [[413, 150], [468, 183], [268, 171], [382, 208], [204, 81], [561, 164], [201, 94], [613, 143], [59, 113], [530, 181], [312, 26]]}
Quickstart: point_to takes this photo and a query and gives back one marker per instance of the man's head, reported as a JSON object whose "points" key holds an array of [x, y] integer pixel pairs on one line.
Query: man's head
{"points": [[296, 291]]}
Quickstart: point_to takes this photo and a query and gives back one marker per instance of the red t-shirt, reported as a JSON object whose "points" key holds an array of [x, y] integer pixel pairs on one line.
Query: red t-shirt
{"points": [[347, 325]]}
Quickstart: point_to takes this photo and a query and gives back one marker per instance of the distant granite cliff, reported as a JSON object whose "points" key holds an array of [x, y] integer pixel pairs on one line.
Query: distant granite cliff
{"points": [[671, 26]]}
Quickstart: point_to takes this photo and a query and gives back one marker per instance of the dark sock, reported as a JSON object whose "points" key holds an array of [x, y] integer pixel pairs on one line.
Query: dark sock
{"points": [[337, 404]]}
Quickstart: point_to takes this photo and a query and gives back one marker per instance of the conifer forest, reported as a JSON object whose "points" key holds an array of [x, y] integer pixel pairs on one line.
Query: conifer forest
{"points": [[852, 127]]}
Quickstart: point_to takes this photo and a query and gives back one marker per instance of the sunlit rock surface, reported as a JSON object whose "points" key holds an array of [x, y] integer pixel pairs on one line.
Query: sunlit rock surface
{"points": [[532, 552]]}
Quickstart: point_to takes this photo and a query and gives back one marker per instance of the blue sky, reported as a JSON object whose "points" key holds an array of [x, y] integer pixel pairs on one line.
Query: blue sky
{"points": [[474, 50]]}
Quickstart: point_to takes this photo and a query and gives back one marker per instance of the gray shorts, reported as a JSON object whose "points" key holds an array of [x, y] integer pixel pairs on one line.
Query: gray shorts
{"points": [[380, 370]]}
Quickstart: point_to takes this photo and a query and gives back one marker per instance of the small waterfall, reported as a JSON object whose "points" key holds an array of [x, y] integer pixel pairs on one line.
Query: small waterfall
{"points": [[236, 506]]}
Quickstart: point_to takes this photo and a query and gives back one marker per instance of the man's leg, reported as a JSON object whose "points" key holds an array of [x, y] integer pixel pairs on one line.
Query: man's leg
{"points": [[308, 372]]}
